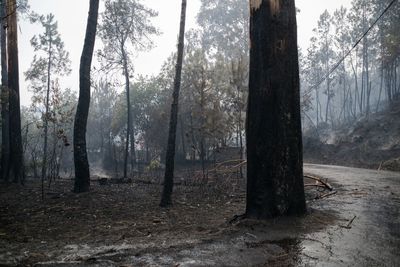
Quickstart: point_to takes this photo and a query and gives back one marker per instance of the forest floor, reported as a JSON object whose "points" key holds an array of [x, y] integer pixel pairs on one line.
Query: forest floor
{"points": [[122, 225]]}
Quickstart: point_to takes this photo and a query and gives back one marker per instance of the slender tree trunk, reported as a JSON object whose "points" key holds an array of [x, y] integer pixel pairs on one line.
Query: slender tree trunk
{"points": [[128, 103], [396, 86], [147, 152], [369, 86], [53, 157], [344, 100], [34, 165], [317, 104], [82, 173], [354, 68], [202, 125], [240, 143], [115, 160], [16, 152], [46, 121], [202, 156], [274, 142], [170, 155], [133, 150], [328, 93], [389, 82], [5, 115], [193, 150], [183, 137]]}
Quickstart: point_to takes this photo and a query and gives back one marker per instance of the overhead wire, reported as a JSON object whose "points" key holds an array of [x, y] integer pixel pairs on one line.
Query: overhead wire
{"points": [[335, 66]]}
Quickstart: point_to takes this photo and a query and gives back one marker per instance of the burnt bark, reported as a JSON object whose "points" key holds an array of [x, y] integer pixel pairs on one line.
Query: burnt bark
{"points": [[16, 152], [170, 156], [82, 173], [5, 116], [274, 141], [128, 104], [132, 137]]}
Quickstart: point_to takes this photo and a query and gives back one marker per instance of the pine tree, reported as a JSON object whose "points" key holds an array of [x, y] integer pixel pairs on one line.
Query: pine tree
{"points": [[50, 60], [125, 23]]}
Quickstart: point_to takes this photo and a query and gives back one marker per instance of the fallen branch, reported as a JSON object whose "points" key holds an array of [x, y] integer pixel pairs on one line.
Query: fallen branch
{"points": [[326, 195], [326, 184], [380, 166], [316, 185], [237, 218], [227, 166], [348, 226]]}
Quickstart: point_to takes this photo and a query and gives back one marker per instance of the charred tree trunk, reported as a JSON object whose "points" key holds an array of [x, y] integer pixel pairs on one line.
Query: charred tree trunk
{"points": [[170, 156], [240, 143], [128, 104], [133, 150], [16, 152], [274, 143], [354, 68], [5, 116], [183, 138], [202, 89], [318, 104], [82, 174]]}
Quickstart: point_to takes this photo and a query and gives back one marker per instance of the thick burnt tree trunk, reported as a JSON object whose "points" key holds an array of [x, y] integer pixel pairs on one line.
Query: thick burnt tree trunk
{"points": [[170, 156], [5, 118], [82, 174], [274, 142], [16, 152]]}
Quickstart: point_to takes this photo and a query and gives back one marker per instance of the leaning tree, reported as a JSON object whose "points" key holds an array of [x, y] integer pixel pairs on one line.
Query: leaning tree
{"points": [[170, 156], [82, 174]]}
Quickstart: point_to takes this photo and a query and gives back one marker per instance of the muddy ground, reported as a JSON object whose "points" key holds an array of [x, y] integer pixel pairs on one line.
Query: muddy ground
{"points": [[122, 225]]}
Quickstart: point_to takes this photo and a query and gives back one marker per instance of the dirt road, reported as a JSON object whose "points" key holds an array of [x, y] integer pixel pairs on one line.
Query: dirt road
{"points": [[372, 199]]}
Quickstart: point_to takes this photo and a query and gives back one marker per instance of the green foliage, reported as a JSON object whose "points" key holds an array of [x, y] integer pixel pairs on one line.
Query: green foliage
{"points": [[126, 26], [54, 107], [153, 166], [225, 27], [50, 60]]}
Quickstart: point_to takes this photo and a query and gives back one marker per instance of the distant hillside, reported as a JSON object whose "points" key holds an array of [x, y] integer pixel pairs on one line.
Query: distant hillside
{"points": [[372, 142]]}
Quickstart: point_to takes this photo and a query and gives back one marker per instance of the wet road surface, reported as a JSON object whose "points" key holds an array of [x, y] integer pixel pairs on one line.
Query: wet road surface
{"points": [[372, 199]]}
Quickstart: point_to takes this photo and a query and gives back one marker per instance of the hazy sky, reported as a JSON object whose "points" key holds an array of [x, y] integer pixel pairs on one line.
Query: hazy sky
{"points": [[72, 15]]}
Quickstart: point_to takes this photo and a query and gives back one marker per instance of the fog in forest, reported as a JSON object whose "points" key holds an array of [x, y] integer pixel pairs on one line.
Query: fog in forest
{"points": [[178, 100], [335, 92]]}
